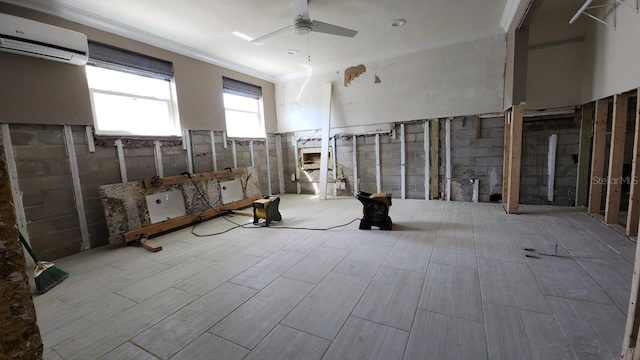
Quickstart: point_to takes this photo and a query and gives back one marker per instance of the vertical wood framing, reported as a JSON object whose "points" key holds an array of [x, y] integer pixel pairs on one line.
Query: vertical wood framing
{"points": [[633, 214], [234, 153], [121, 161], [598, 151], [447, 154], [334, 163], [266, 152], [253, 160], [90, 140], [506, 157], [584, 155], [434, 143], [356, 186], [551, 166], [189, 145], [515, 156], [21, 217], [616, 159], [280, 164], [158, 158], [427, 162], [214, 157], [630, 339], [324, 147], [476, 190], [403, 167], [224, 139], [478, 127], [297, 162], [77, 188], [378, 175]]}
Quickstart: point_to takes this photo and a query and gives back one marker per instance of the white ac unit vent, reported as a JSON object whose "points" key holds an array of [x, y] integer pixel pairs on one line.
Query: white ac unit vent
{"points": [[32, 38]]}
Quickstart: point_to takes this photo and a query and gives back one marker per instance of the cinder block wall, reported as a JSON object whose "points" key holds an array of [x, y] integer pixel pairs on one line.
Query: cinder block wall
{"points": [[44, 176]]}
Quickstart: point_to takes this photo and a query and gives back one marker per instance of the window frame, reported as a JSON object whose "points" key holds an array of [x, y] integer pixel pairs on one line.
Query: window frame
{"points": [[238, 88]]}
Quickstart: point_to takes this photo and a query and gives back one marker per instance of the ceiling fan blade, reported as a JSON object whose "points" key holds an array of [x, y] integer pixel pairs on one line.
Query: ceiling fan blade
{"points": [[321, 27], [300, 9], [277, 32]]}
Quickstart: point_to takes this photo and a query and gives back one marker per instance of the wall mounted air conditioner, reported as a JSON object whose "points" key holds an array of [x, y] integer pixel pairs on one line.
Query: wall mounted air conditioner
{"points": [[32, 38]]}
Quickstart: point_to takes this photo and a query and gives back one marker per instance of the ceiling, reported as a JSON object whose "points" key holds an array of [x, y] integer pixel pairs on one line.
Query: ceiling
{"points": [[204, 28]]}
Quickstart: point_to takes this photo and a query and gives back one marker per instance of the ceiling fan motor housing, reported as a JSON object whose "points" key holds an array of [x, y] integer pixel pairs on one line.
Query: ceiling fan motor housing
{"points": [[302, 27]]}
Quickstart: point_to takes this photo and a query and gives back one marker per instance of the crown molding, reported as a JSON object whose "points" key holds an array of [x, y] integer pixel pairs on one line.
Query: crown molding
{"points": [[441, 43], [55, 8], [509, 14]]}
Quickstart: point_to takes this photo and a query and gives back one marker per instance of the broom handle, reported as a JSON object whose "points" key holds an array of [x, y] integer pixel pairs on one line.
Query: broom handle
{"points": [[24, 242]]}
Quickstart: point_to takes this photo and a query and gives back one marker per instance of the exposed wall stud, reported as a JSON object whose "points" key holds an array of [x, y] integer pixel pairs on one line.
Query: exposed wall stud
{"points": [[616, 159], [334, 160], [403, 161], [584, 155], [324, 147], [356, 185], [633, 214], [77, 188], [476, 190], [224, 139], [597, 156], [184, 139], [378, 176], [551, 166], [266, 151], [297, 162], [189, 148], [280, 164], [515, 152], [158, 158], [447, 154], [18, 205], [90, 140], [253, 160], [427, 165], [434, 143], [214, 157], [235, 155], [121, 161], [506, 157]]}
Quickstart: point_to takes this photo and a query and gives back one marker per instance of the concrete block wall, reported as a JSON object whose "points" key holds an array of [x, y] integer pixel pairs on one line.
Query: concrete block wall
{"points": [[535, 173], [44, 176]]}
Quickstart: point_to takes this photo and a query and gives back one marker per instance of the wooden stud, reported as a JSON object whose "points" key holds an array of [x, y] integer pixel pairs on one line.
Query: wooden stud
{"points": [[297, 159], [354, 140], [280, 164], [378, 174], [224, 139], [324, 147], [434, 143], [214, 158], [447, 155], [598, 151], [616, 159], [633, 214], [121, 161], [403, 167], [334, 163], [478, 127], [253, 160], [77, 188], [515, 157], [551, 166], [630, 339], [506, 157], [266, 152], [427, 158], [158, 158], [234, 154], [584, 155], [189, 145], [90, 140]]}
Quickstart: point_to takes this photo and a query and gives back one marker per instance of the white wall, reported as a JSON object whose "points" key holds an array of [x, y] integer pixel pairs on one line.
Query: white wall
{"points": [[615, 57], [463, 79]]}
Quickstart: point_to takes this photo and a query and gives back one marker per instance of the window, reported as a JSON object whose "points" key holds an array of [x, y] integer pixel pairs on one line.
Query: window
{"points": [[131, 94], [243, 109]]}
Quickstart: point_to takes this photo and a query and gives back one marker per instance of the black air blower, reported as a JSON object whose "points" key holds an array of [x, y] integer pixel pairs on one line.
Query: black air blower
{"points": [[375, 210]]}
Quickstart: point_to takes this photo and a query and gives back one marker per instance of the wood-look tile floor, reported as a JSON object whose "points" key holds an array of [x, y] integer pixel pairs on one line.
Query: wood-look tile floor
{"points": [[449, 282]]}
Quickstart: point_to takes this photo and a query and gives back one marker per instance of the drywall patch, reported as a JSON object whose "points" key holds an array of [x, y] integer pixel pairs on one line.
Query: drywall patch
{"points": [[352, 73]]}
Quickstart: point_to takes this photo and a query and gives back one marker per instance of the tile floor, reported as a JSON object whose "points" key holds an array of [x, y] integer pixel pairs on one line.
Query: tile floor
{"points": [[449, 282]]}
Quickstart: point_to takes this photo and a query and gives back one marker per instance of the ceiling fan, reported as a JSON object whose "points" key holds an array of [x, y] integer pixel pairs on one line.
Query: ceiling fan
{"points": [[303, 25]]}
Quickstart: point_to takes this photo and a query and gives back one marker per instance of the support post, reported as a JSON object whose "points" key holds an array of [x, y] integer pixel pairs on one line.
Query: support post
{"points": [[633, 215], [324, 155], [584, 155], [598, 151], [616, 159], [506, 157], [515, 152], [356, 186], [427, 162]]}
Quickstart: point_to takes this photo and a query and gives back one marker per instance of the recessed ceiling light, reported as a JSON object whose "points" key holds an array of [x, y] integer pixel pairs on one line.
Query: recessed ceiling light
{"points": [[397, 23], [293, 52]]}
